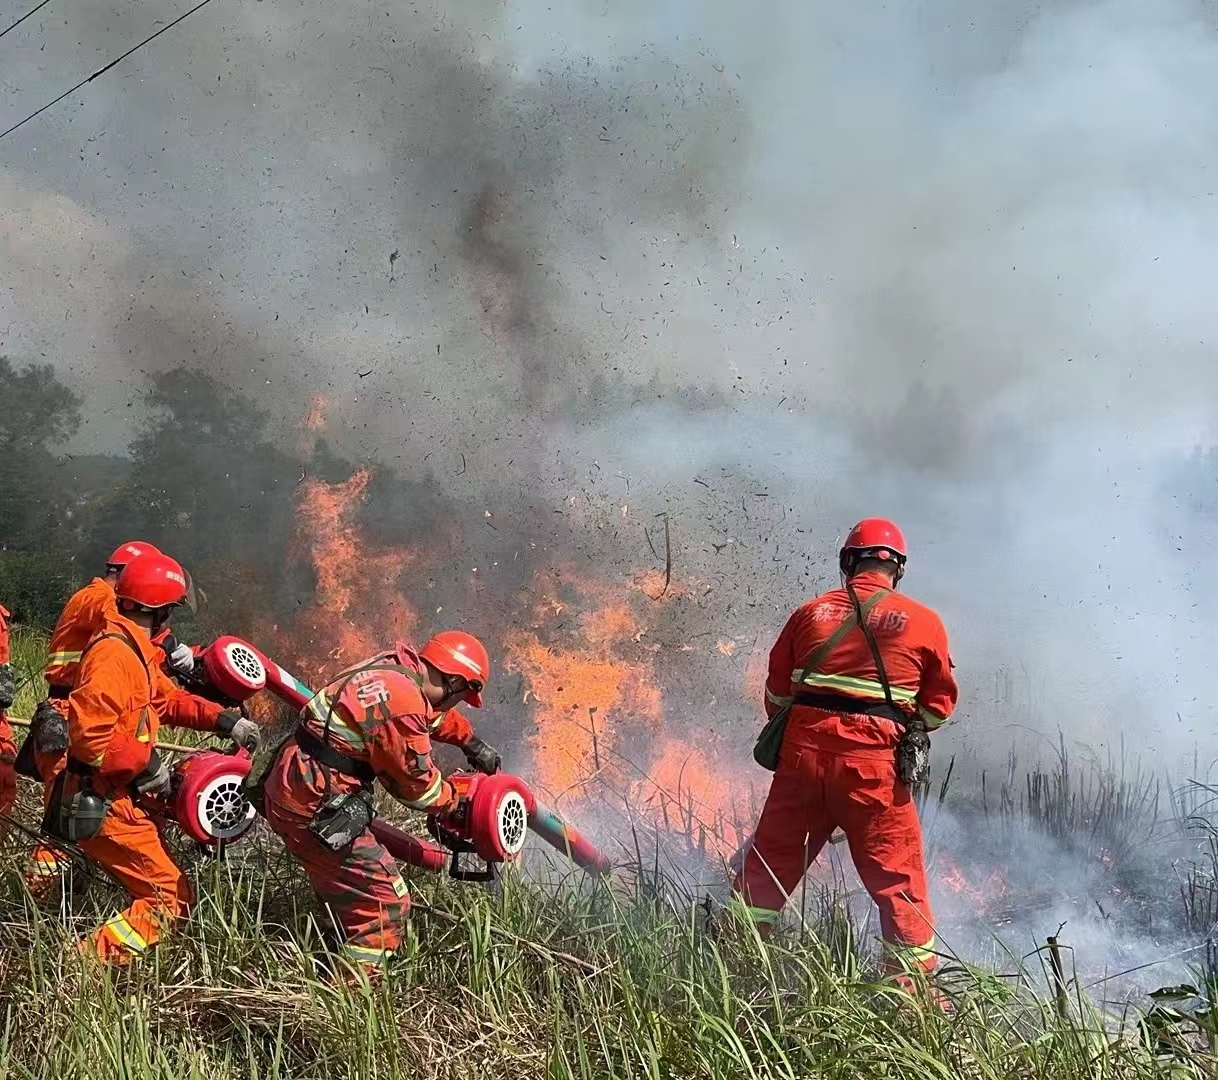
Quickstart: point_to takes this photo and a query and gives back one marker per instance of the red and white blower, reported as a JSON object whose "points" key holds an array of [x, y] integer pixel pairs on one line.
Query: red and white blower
{"points": [[211, 807], [206, 799]]}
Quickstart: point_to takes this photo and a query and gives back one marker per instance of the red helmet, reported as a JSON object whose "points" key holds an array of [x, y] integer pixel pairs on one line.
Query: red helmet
{"points": [[454, 652], [132, 549], [152, 581], [875, 538]]}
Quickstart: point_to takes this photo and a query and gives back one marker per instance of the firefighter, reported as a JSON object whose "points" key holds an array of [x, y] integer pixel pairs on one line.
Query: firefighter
{"points": [[376, 721], [82, 617], [8, 748], [857, 706], [95, 798]]}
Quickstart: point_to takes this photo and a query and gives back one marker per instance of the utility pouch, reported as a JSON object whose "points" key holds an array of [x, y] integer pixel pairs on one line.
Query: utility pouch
{"points": [[913, 756], [769, 743], [341, 819], [75, 812], [25, 763]]}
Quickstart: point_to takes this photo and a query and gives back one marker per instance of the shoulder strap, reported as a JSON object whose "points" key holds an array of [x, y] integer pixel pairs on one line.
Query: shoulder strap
{"points": [[856, 617], [126, 639], [881, 672]]}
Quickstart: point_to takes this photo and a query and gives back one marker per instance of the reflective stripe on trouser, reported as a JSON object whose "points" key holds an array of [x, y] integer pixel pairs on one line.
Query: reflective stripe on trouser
{"points": [[43, 863], [361, 887], [130, 848], [813, 793]]}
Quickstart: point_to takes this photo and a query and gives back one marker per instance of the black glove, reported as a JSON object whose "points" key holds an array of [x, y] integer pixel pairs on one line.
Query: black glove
{"points": [[244, 732], [155, 779], [482, 756], [49, 729], [8, 686]]}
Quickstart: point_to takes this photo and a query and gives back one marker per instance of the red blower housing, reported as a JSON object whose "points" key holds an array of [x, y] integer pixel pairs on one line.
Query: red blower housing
{"points": [[207, 802], [497, 823], [235, 668]]}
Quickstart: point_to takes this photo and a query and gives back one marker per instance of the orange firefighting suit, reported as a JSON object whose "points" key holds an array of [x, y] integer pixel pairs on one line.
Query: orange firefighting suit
{"points": [[83, 617], [837, 767], [8, 748], [380, 717], [114, 714]]}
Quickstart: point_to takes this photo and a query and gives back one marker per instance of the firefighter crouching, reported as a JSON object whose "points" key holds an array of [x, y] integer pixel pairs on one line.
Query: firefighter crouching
{"points": [[860, 674], [43, 751], [375, 721], [93, 796]]}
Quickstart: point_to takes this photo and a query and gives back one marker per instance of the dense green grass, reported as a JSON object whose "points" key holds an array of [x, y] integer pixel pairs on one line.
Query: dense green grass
{"points": [[550, 976]]}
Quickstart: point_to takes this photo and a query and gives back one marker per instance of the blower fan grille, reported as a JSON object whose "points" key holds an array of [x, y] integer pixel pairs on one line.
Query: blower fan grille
{"points": [[513, 823], [224, 811], [246, 661]]}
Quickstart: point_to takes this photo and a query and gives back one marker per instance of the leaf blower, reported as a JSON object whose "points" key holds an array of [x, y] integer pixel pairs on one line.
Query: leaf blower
{"points": [[206, 799], [499, 810]]}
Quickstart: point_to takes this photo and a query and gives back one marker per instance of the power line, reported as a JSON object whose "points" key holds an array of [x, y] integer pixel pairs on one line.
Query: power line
{"points": [[103, 70], [24, 17]]}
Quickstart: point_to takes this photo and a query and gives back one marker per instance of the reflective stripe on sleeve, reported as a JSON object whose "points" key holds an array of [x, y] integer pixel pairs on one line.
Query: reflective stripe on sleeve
{"points": [[431, 795]]}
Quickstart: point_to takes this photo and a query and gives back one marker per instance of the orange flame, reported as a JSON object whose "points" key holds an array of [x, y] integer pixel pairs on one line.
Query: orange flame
{"points": [[357, 607], [599, 716]]}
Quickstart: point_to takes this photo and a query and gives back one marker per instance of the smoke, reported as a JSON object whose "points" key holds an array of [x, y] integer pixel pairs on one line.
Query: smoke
{"points": [[765, 269]]}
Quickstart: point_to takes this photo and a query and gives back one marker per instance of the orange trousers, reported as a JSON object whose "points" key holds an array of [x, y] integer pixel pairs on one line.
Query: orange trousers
{"points": [[361, 887], [129, 846], [813, 793]]}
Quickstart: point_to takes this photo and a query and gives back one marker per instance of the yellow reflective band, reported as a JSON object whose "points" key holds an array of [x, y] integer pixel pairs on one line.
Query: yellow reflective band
{"points": [[916, 953], [860, 687], [127, 935], [763, 915], [63, 658], [930, 719], [44, 865], [777, 699], [332, 721], [430, 795], [365, 955]]}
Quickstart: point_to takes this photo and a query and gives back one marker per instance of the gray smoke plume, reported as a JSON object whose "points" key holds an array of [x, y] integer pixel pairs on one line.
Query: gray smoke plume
{"points": [[766, 268]]}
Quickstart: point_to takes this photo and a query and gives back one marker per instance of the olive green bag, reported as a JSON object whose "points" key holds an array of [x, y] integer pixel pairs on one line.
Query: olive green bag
{"points": [[769, 742]]}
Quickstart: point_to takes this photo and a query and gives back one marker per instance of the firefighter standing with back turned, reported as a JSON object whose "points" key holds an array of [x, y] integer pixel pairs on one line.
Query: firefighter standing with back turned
{"points": [[114, 713], [375, 721], [857, 706]]}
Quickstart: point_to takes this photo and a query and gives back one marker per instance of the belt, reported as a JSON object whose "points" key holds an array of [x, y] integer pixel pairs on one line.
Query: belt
{"points": [[841, 703], [321, 751], [58, 690]]}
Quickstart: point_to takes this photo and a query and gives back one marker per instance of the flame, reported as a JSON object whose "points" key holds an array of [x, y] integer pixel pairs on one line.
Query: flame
{"points": [[952, 878], [580, 694], [601, 732], [357, 606]]}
